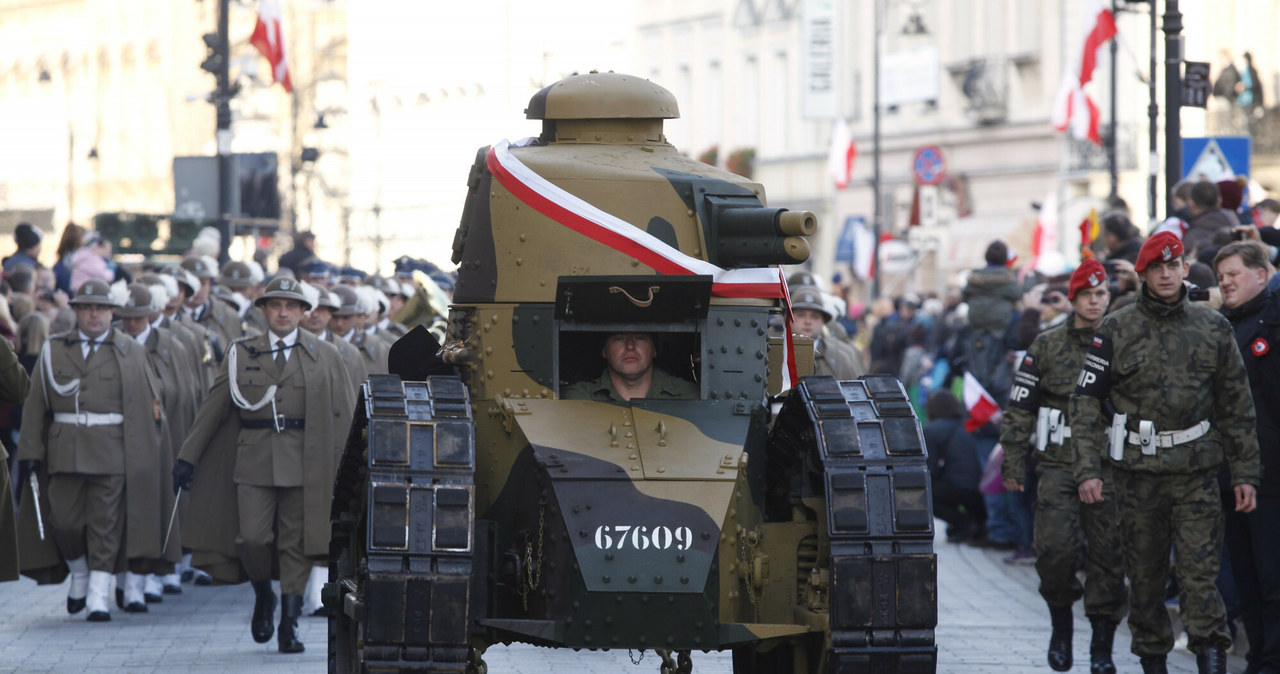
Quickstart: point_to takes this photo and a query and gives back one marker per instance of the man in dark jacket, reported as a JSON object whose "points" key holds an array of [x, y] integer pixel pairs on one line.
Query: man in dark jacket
{"points": [[1252, 539], [954, 468], [1210, 224]]}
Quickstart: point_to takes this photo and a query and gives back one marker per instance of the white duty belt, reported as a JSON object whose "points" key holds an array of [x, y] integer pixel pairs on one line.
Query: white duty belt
{"points": [[1148, 439], [1050, 428], [88, 418]]}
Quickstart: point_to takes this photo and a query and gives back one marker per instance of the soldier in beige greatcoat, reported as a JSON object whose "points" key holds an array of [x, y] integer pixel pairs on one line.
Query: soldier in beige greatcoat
{"points": [[93, 424], [261, 458]]}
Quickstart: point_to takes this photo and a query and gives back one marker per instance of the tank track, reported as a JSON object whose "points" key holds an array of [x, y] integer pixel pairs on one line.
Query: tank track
{"points": [[857, 447], [401, 551]]}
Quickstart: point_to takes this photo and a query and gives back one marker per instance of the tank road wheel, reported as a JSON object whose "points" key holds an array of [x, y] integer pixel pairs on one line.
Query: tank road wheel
{"points": [[400, 554], [852, 453]]}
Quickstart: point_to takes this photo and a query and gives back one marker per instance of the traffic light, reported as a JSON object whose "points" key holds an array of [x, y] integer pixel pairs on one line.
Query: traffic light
{"points": [[215, 61]]}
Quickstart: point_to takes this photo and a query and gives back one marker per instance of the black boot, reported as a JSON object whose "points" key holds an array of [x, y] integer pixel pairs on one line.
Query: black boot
{"points": [[1104, 634], [1212, 660], [263, 610], [1060, 640], [290, 609], [1154, 664]]}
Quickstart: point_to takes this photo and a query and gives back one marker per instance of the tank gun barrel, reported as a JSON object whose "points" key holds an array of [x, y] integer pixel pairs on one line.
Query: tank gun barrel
{"points": [[757, 236]]}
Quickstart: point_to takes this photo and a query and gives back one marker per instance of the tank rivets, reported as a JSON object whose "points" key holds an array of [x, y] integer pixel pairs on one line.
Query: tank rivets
{"points": [[737, 322], [719, 321], [633, 457], [719, 471], [586, 638], [618, 599], [710, 351], [705, 535], [581, 533], [588, 506], [760, 331], [689, 212], [661, 469], [759, 355], [657, 580], [523, 237], [671, 640], [635, 263], [489, 374], [741, 351], [754, 323], [697, 640], [631, 579], [576, 604], [684, 580], [608, 620], [713, 395], [724, 349], [680, 558], [629, 434], [488, 350], [759, 378], [519, 261], [608, 556]]}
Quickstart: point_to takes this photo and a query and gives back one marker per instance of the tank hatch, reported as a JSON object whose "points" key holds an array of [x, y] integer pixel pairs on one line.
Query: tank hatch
{"points": [[597, 95]]}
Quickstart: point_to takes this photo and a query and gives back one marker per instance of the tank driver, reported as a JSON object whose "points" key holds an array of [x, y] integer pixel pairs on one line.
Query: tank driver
{"points": [[630, 373]]}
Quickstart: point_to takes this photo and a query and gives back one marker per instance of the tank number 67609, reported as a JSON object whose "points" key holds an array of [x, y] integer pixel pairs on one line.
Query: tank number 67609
{"points": [[621, 536]]}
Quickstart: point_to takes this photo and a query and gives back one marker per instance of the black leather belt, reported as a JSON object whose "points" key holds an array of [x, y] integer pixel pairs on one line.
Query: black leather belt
{"points": [[273, 424]]}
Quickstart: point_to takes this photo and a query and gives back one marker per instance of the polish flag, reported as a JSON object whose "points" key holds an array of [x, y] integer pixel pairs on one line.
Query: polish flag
{"points": [[982, 407], [268, 37], [1073, 109], [1045, 238], [840, 156]]}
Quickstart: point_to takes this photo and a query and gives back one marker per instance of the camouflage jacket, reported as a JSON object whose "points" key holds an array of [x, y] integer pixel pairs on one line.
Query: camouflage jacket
{"points": [[1174, 365], [1046, 377]]}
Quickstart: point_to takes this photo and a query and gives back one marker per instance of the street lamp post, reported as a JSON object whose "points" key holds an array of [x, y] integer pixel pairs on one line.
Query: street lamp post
{"points": [[1172, 99]]}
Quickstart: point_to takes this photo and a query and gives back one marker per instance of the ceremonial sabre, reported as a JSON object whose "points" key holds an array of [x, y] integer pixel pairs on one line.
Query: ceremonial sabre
{"points": [[35, 498], [172, 515]]}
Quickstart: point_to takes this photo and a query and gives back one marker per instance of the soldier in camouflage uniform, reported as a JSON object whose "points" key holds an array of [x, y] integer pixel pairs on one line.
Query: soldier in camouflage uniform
{"points": [[1173, 374], [1036, 417]]}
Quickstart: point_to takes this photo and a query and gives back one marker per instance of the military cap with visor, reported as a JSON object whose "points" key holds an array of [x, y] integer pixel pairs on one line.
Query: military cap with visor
{"points": [[348, 299], [284, 288], [95, 292], [235, 275], [138, 304], [202, 266], [809, 297]]}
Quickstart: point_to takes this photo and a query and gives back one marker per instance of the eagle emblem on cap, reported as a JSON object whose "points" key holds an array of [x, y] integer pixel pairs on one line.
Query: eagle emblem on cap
{"points": [[1166, 254], [1094, 280], [286, 284]]}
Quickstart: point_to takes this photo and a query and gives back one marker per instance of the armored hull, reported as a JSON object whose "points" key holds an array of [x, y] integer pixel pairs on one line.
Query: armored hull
{"points": [[785, 518]]}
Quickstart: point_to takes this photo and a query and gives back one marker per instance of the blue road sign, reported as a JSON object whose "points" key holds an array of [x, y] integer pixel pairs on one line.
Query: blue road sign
{"points": [[1211, 153]]}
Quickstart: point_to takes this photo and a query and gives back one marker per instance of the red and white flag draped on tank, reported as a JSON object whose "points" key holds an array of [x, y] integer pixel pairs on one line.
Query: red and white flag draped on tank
{"points": [[268, 37], [1074, 111]]}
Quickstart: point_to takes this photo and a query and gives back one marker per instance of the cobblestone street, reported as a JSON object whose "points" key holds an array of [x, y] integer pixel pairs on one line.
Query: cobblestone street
{"points": [[990, 620]]}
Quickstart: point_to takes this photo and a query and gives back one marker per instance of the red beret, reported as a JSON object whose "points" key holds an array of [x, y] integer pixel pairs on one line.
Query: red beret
{"points": [[1089, 274], [1161, 247]]}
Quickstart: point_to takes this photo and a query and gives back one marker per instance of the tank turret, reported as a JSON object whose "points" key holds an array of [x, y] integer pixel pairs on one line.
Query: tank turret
{"points": [[617, 445]]}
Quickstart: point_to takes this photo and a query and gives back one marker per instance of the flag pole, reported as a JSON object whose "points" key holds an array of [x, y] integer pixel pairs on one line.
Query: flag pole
{"points": [[1115, 128], [875, 180]]}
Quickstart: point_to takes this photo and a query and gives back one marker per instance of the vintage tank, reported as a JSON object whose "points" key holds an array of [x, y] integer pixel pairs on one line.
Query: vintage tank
{"points": [[780, 516]]}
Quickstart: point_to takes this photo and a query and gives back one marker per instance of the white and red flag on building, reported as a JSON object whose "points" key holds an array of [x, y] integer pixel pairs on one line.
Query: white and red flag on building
{"points": [[982, 407], [268, 37], [1073, 109], [841, 155], [1044, 241]]}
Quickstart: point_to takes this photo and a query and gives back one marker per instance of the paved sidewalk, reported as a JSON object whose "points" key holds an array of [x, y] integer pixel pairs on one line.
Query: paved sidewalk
{"points": [[991, 620]]}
